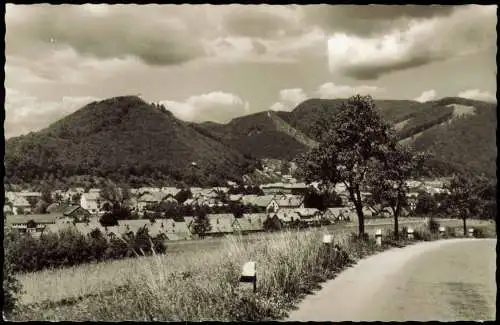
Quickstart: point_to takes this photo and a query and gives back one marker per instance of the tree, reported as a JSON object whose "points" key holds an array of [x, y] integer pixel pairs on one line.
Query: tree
{"points": [[201, 223], [47, 196], [118, 196], [348, 143], [387, 180], [108, 220], [237, 209], [272, 224], [426, 204], [464, 196], [313, 198], [41, 207], [183, 195]]}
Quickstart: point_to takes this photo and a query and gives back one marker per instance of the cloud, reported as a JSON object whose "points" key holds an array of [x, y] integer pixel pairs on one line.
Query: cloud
{"points": [[154, 36], [369, 20], [25, 113], [330, 90], [261, 21], [215, 106], [293, 96], [426, 96], [279, 106], [467, 30], [478, 95]]}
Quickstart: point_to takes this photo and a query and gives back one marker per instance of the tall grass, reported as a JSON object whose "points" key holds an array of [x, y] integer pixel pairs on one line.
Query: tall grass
{"points": [[197, 286]]}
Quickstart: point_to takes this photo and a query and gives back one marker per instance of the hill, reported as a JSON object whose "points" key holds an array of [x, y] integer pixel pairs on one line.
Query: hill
{"points": [[260, 135], [125, 139], [461, 133], [129, 140]]}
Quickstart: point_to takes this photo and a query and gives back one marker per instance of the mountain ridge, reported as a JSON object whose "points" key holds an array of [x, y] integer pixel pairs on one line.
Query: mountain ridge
{"points": [[125, 135]]}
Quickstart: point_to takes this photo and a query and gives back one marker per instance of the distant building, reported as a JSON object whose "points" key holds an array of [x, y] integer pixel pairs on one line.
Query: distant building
{"points": [[90, 202], [283, 188], [20, 205]]}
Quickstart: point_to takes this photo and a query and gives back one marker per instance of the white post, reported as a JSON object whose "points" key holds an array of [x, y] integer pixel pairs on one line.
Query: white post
{"points": [[378, 237], [442, 231], [471, 232], [327, 239], [410, 233], [249, 274]]}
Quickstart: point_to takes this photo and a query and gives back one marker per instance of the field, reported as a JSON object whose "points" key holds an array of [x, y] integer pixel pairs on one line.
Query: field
{"points": [[195, 280]]}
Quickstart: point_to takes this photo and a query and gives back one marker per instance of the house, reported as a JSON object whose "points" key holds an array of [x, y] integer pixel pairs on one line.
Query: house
{"points": [[221, 224], [235, 197], [249, 223], [20, 205], [90, 202], [173, 191], [7, 209], [77, 213], [30, 195], [261, 201], [21, 223], [286, 202], [412, 198], [56, 208], [149, 198], [336, 214], [284, 188]]}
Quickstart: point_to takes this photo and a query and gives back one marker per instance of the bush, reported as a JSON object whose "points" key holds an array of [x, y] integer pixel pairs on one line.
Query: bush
{"points": [[484, 232], [11, 289], [433, 226], [451, 232], [69, 247], [423, 235]]}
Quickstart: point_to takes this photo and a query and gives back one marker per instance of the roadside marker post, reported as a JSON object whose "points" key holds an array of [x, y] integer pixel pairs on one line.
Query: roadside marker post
{"points": [[378, 237], [327, 239], [471, 232], [442, 231], [249, 274], [410, 233]]}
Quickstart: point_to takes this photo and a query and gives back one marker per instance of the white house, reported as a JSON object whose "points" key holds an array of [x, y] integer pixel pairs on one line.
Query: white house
{"points": [[90, 202]]}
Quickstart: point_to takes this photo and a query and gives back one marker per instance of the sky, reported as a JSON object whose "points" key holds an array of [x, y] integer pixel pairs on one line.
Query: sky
{"points": [[215, 63]]}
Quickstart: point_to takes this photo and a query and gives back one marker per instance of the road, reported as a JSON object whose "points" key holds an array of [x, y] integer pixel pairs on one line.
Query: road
{"points": [[446, 280]]}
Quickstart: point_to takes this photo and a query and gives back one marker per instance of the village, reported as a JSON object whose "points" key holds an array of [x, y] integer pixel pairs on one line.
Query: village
{"points": [[282, 203]]}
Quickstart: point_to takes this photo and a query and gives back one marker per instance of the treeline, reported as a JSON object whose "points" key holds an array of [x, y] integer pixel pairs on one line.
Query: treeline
{"points": [[68, 247]]}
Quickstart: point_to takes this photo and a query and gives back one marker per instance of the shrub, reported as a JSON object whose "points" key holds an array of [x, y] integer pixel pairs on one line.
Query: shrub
{"points": [[422, 235], [11, 289], [484, 232], [433, 226], [450, 232]]}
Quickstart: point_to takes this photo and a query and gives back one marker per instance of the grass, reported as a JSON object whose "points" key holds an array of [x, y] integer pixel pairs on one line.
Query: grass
{"points": [[195, 285]]}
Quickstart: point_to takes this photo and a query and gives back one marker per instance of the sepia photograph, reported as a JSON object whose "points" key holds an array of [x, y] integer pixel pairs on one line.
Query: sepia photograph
{"points": [[250, 162]]}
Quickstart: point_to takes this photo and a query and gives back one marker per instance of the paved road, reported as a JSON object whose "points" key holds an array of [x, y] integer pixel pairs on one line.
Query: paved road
{"points": [[446, 280]]}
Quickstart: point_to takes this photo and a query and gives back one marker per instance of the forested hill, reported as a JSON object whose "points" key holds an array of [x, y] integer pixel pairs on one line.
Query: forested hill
{"points": [[122, 138], [129, 140]]}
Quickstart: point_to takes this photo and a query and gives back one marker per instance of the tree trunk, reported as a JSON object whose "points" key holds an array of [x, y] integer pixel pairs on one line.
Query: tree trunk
{"points": [[396, 223], [465, 226], [359, 211]]}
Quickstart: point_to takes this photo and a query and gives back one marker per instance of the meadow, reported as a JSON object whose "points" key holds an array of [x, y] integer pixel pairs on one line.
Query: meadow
{"points": [[192, 284]]}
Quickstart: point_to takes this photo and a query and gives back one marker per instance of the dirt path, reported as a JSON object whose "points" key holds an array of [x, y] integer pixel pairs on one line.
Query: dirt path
{"points": [[446, 280]]}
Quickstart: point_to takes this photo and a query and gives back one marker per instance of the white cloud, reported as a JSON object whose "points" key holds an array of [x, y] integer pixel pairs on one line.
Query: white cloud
{"points": [[467, 30], [25, 113], [426, 96], [293, 96], [330, 90], [478, 95], [215, 106], [278, 106]]}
